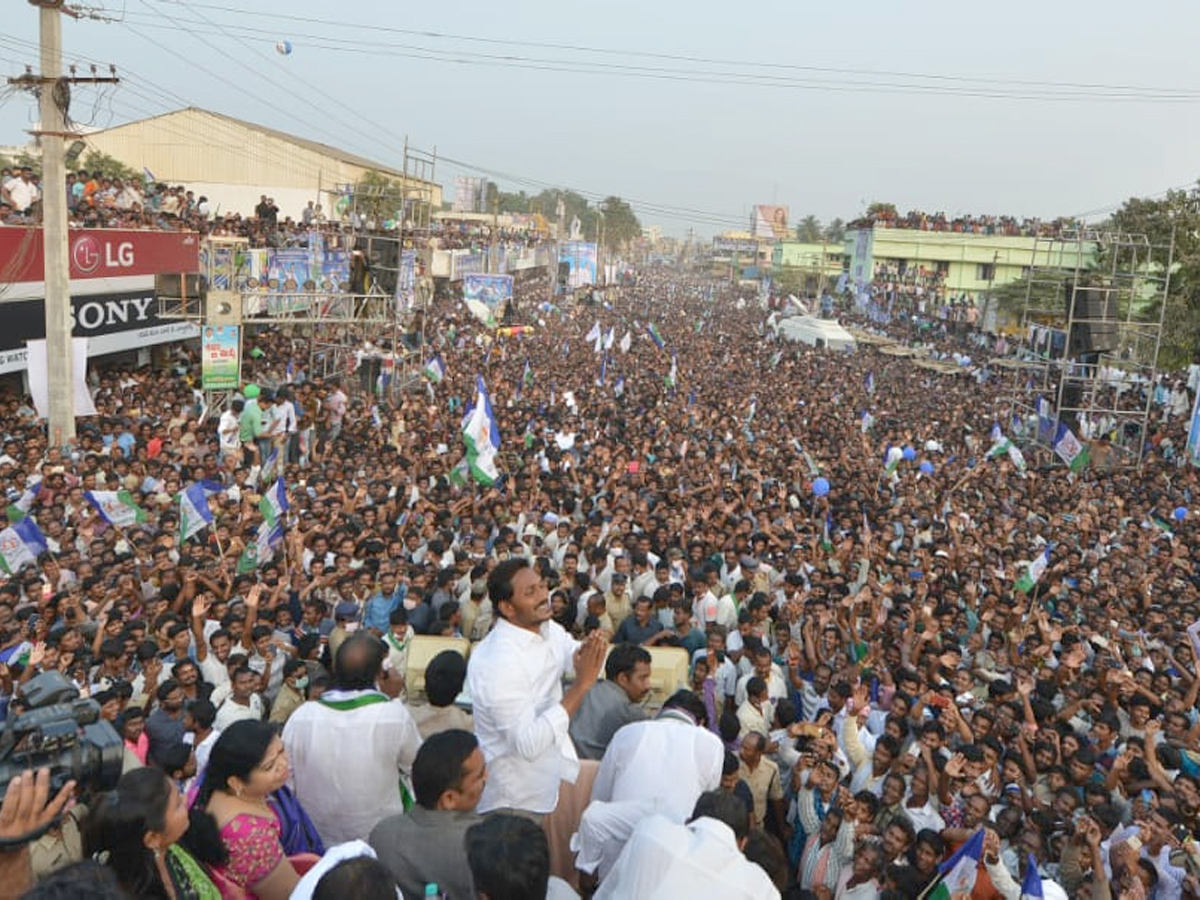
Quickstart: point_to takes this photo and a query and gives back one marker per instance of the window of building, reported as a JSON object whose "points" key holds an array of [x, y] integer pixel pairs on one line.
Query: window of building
{"points": [[985, 271]]}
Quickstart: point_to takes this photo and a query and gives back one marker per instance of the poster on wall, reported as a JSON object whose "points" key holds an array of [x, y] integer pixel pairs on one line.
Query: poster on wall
{"points": [[220, 357]]}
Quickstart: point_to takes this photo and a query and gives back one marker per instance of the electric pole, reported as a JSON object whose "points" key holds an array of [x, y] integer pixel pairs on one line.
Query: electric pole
{"points": [[54, 93]]}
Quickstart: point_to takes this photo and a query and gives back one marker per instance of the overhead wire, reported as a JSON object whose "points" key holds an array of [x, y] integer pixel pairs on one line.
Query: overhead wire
{"points": [[681, 57]]}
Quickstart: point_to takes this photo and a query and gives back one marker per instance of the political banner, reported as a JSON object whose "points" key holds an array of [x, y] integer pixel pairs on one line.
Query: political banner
{"points": [[487, 296], [580, 258], [220, 357], [771, 222]]}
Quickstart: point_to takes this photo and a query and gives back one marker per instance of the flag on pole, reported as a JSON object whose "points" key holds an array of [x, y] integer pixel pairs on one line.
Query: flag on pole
{"points": [[1034, 572], [776, 358], [619, 387], [672, 378], [274, 504], [956, 876], [116, 507], [867, 421], [594, 334], [603, 371], [599, 345], [997, 433], [527, 375], [460, 474], [1070, 450], [19, 509], [270, 466], [1005, 447], [626, 342], [1031, 884], [610, 338], [655, 336], [869, 383], [194, 513], [1045, 417], [20, 545], [481, 434], [435, 369]]}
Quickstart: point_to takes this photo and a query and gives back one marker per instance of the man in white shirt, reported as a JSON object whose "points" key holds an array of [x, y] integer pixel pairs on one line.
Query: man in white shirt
{"points": [[632, 783], [242, 702], [515, 679], [228, 429], [665, 861], [353, 750]]}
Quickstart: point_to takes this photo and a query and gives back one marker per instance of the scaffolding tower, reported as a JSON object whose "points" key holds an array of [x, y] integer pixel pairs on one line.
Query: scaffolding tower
{"points": [[1087, 349], [335, 324]]}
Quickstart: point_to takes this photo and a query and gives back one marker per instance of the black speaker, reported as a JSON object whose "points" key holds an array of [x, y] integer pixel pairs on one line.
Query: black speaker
{"points": [[1094, 329]]}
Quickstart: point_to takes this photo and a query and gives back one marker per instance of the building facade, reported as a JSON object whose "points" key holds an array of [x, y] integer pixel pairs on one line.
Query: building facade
{"points": [[234, 162], [963, 265]]}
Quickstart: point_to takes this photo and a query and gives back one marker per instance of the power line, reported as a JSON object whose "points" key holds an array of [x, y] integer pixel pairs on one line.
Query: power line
{"points": [[951, 86], [609, 51]]}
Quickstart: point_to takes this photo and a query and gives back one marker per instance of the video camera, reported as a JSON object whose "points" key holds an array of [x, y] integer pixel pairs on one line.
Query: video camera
{"points": [[62, 732]]}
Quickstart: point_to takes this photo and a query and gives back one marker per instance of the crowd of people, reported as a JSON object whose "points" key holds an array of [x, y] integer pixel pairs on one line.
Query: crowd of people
{"points": [[96, 199], [902, 648], [1009, 226]]}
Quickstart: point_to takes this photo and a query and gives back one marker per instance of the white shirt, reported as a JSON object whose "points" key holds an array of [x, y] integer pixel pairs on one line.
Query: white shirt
{"points": [[231, 712], [632, 767], [347, 762], [227, 428], [514, 677], [777, 688], [666, 861]]}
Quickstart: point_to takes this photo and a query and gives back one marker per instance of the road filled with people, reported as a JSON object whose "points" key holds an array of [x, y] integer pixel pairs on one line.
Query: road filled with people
{"points": [[905, 661]]}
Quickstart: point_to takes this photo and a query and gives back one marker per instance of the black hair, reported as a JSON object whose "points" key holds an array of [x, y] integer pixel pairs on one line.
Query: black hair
{"points": [[361, 877], [509, 856], [358, 662], [84, 880], [725, 808], [118, 825], [623, 658], [236, 754], [444, 677], [439, 764], [500, 580], [202, 712], [690, 703]]}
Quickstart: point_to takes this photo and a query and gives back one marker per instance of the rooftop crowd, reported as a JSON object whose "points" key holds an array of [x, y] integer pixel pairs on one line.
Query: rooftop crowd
{"points": [[97, 199], [1008, 226], [872, 681]]}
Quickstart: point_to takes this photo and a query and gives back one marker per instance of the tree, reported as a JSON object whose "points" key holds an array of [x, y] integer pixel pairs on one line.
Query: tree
{"points": [[378, 197], [809, 230], [881, 209], [95, 161], [835, 231], [1175, 216], [621, 225]]}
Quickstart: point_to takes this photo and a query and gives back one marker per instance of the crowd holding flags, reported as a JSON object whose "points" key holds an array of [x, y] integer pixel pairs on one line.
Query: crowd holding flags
{"points": [[20, 545], [435, 369], [19, 509], [481, 435], [117, 508]]}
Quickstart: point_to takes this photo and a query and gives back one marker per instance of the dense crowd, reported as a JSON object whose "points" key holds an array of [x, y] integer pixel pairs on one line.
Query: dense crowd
{"points": [[1008, 226], [901, 648], [99, 200]]}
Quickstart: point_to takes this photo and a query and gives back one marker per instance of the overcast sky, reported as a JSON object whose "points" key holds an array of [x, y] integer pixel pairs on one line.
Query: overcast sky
{"points": [[698, 143]]}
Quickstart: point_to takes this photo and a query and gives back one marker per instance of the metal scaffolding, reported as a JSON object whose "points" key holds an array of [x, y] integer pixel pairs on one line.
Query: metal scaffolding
{"points": [[1087, 354]]}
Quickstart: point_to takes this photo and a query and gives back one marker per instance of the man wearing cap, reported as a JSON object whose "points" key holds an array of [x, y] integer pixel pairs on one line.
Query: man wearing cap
{"points": [[345, 617]]}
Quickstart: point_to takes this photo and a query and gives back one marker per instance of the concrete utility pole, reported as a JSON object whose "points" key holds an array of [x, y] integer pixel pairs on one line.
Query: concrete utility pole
{"points": [[54, 93], [54, 104]]}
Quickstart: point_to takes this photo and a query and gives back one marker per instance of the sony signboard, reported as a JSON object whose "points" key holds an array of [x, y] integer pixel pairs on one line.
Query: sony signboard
{"points": [[111, 323]]}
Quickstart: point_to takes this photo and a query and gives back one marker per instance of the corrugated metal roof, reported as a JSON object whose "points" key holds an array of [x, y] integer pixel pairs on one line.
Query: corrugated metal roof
{"points": [[314, 146]]}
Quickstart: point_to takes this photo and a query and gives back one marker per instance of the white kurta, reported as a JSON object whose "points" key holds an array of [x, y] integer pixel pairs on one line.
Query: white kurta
{"points": [[514, 678], [347, 763], [665, 861]]}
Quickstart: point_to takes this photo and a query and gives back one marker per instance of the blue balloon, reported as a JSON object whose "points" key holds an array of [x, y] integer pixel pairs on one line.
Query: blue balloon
{"points": [[820, 487], [1180, 513], [927, 467], [910, 454]]}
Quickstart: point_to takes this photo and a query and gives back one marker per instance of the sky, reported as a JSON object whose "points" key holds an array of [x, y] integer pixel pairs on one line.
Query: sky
{"points": [[1022, 108]]}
